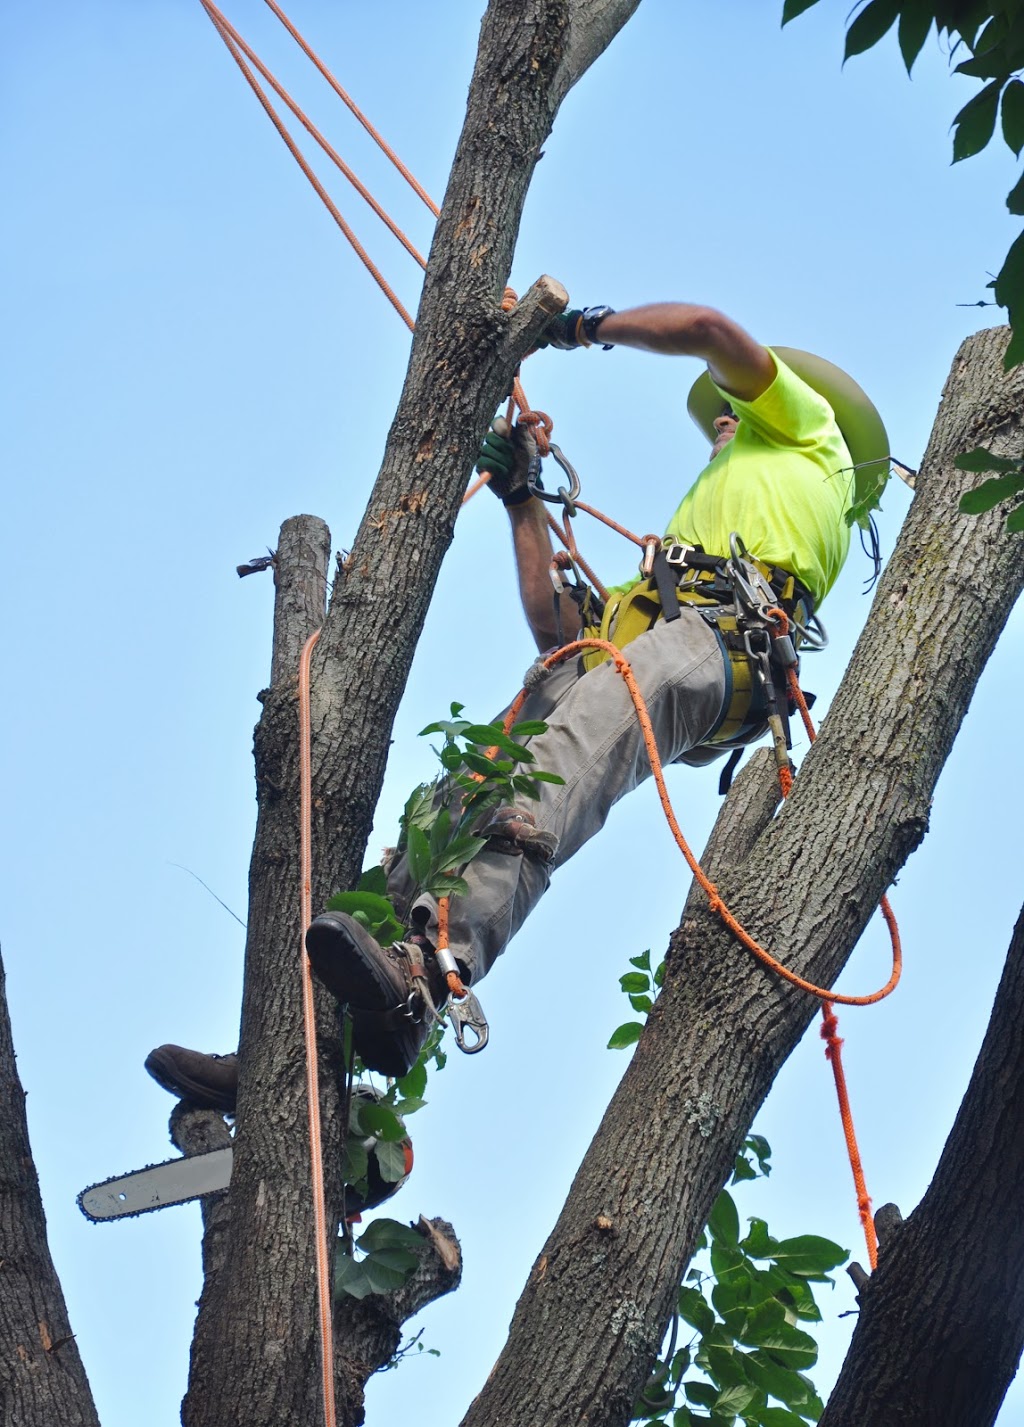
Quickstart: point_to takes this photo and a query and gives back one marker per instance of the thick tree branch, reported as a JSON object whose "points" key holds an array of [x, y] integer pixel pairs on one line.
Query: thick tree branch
{"points": [[941, 1326], [42, 1380], [588, 1324]]}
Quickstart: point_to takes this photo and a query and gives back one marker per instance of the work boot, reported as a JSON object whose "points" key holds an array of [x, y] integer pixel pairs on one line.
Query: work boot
{"points": [[383, 987], [209, 1081]]}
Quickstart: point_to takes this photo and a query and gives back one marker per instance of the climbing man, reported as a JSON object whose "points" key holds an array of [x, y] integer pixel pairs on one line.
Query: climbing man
{"points": [[795, 444]]}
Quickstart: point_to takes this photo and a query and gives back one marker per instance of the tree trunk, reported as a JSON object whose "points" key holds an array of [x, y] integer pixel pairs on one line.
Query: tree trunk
{"points": [[257, 1321], [589, 1322], [42, 1380], [941, 1326]]}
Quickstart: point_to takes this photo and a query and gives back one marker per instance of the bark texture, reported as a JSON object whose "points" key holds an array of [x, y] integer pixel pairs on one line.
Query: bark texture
{"points": [[271, 1059], [941, 1325], [257, 1321], [588, 1324], [42, 1380]]}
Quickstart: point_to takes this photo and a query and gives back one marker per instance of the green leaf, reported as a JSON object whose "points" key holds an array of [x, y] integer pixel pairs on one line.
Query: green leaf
{"points": [[808, 1255], [390, 1160], [792, 8], [390, 1234], [1015, 197], [981, 460], [418, 853], [724, 1221], [356, 1162], [413, 1084], [626, 1034], [485, 734], [780, 1382], [543, 777], [408, 1105], [635, 981], [642, 1004], [381, 1120], [779, 1417], [915, 23], [976, 122], [486, 767], [702, 1393], [875, 20], [459, 850], [439, 830], [764, 1320], [419, 807], [642, 962], [742, 1169], [351, 1278], [372, 911], [694, 1310], [990, 494], [1009, 290], [736, 1398], [761, 1150], [1015, 521], [375, 880], [789, 1346], [1011, 114], [445, 885], [529, 728], [759, 1244], [795, 1293]]}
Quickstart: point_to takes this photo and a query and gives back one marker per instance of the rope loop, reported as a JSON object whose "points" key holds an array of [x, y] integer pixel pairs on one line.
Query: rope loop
{"points": [[541, 425]]}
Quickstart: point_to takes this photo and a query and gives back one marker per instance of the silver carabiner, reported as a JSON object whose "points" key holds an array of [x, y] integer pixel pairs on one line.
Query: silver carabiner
{"points": [[566, 498], [466, 1014]]}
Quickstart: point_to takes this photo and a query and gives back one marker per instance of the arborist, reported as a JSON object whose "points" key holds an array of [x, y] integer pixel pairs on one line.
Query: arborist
{"points": [[795, 444]]}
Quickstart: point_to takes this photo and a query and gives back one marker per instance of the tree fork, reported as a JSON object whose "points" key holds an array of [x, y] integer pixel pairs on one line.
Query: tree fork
{"points": [[590, 1319]]}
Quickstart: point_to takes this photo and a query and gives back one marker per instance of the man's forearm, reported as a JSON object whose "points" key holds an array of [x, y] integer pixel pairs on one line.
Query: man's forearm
{"points": [[684, 329], [531, 540]]}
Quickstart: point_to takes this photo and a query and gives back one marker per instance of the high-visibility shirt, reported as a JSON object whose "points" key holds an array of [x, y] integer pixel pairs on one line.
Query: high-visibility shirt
{"points": [[785, 482]]}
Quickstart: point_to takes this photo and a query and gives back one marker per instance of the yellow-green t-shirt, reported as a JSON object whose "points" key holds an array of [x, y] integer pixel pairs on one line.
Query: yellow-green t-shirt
{"points": [[784, 482]]}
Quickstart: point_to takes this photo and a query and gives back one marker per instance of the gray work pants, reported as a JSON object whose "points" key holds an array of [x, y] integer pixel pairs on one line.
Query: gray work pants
{"points": [[594, 742]]}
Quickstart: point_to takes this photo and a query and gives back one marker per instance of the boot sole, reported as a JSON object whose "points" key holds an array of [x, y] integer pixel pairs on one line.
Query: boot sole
{"points": [[347, 960]]}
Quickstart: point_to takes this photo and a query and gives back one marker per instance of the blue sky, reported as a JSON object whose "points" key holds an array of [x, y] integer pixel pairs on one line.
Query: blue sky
{"points": [[193, 355]]}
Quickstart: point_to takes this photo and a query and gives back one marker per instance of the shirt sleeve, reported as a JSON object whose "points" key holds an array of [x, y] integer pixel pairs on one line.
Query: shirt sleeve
{"points": [[790, 413]]}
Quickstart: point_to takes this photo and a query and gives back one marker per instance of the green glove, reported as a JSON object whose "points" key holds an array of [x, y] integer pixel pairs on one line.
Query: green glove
{"points": [[576, 327], [509, 458]]}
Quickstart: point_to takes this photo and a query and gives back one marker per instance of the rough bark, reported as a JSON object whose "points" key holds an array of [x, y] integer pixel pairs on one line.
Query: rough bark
{"points": [[590, 1319], [42, 1380], [257, 1323], [941, 1325]]}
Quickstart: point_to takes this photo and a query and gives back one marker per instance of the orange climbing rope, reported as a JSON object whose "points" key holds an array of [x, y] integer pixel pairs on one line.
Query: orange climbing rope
{"points": [[320, 1228], [829, 997]]}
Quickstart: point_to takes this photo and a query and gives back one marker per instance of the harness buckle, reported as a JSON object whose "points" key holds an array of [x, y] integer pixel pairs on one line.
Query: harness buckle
{"points": [[676, 554], [466, 1013]]}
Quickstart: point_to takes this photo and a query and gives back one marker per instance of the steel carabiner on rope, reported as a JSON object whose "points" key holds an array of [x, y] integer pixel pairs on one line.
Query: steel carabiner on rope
{"points": [[564, 497], [466, 1013]]}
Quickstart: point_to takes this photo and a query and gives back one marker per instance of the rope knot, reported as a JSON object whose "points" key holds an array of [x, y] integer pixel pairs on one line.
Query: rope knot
{"points": [[541, 425]]}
